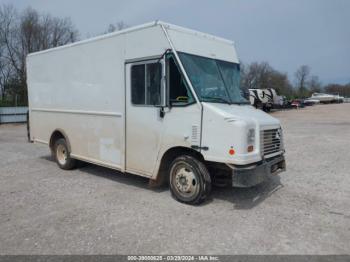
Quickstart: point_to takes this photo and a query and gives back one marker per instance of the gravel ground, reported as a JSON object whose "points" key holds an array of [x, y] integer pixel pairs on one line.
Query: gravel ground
{"points": [[94, 210]]}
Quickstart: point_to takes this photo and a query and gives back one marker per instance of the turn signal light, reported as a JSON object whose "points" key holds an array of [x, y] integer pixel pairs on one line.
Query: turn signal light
{"points": [[250, 148], [231, 151]]}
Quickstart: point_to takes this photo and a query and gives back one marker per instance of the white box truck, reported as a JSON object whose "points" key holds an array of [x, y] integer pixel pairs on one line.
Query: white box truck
{"points": [[156, 100]]}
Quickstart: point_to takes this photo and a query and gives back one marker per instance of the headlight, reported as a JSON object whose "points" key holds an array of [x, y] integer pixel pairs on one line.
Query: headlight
{"points": [[251, 137]]}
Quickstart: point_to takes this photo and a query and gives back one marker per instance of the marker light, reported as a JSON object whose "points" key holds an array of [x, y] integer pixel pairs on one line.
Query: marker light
{"points": [[231, 151]]}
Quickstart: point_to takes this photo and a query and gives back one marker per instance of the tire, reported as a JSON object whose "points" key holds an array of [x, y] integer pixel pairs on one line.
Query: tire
{"points": [[62, 155], [189, 180]]}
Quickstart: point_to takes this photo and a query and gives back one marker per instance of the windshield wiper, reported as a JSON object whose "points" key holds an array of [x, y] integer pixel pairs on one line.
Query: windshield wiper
{"points": [[217, 99]]}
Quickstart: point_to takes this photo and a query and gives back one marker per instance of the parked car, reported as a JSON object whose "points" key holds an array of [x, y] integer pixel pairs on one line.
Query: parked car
{"points": [[297, 103]]}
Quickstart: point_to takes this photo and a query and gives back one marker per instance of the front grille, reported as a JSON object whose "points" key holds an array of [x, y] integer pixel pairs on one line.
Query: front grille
{"points": [[271, 141]]}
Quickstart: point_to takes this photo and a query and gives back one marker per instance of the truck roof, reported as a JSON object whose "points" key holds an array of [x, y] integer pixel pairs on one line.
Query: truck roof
{"points": [[136, 28]]}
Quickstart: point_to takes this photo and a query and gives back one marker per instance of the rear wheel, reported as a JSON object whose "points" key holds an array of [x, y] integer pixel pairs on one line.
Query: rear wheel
{"points": [[189, 180], [62, 155]]}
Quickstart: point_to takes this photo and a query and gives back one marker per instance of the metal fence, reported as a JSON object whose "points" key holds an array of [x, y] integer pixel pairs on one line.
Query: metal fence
{"points": [[13, 114]]}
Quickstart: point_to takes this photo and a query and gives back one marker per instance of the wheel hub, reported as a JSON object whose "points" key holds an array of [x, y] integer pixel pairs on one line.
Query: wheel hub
{"points": [[186, 182], [61, 154]]}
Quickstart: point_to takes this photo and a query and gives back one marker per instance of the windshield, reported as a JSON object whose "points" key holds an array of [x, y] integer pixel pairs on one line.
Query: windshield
{"points": [[213, 80]]}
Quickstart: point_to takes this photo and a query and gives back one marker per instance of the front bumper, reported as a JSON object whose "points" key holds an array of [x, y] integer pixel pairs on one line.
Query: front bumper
{"points": [[251, 175]]}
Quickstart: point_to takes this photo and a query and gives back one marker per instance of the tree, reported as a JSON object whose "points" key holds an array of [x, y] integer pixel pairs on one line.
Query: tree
{"points": [[336, 89], [8, 18], [116, 27], [262, 76], [256, 75], [302, 76], [280, 82], [315, 84]]}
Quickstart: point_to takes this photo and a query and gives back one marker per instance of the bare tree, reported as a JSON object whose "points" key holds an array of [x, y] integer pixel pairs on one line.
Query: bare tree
{"points": [[8, 18], [337, 89], [315, 84], [5, 76], [2, 67], [301, 77], [280, 82], [262, 76], [256, 75], [116, 27]]}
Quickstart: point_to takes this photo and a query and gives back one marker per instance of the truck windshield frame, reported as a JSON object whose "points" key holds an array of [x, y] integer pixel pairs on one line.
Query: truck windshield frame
{"points": [[214, 81]]}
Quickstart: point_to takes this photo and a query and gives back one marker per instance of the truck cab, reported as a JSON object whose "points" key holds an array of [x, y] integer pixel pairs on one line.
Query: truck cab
{"points": [[205, 132], [238, 143]]}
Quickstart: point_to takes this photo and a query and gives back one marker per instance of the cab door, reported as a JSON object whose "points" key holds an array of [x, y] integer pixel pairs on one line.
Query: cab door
{"points": [[145, 93]]}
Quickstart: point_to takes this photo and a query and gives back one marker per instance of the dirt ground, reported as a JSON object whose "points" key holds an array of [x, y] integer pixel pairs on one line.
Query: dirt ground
{"points": [[94, 210]]}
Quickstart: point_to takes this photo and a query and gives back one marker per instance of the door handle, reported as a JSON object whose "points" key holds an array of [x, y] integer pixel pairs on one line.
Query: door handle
{"points": [[161, 112]]}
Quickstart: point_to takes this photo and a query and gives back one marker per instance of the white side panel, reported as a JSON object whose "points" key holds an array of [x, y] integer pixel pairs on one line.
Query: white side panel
{"points": [[91, 137], [71, 88], [80, 89], [202, 45], [84, 77]]}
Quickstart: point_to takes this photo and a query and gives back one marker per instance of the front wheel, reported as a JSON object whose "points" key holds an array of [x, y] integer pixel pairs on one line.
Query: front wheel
{"points": [[189, 180]]}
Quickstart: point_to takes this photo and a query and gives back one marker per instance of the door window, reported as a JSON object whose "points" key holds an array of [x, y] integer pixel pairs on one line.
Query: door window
{"points": [[179, 93], [146, 84]]}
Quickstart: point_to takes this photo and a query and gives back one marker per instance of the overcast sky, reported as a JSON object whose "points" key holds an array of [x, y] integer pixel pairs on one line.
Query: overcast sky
{"points": [[286, 34]]}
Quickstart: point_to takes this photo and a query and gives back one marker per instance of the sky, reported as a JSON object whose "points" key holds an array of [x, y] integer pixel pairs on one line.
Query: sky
{"points": [[285, 33]]}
